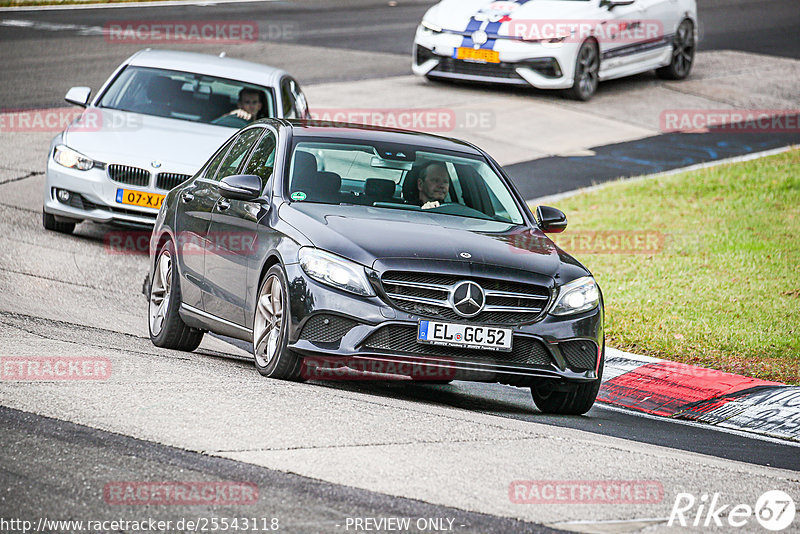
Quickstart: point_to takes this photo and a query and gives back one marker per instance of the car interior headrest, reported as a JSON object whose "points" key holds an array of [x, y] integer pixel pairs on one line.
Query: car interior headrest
{"points": [[410, 189], [305, 169], [164, 89], [379, 187], [328, 182]]}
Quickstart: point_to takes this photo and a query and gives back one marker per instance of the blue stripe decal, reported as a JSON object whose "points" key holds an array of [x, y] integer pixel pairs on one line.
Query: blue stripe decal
{"points": [[472, 26], [491, 29]]}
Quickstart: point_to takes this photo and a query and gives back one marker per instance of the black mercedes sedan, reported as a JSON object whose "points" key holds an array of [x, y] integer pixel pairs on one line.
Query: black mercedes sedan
{"points": [[377, 252]]}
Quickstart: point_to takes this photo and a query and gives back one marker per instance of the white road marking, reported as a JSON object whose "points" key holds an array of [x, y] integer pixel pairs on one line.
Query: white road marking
{"points": [[162, 3], [591, 522], [53, 27]]}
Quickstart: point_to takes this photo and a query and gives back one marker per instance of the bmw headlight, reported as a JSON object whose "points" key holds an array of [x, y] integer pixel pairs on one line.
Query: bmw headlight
{"points": [[430, 28], [335, 271], [577, 296], [67, 157]]}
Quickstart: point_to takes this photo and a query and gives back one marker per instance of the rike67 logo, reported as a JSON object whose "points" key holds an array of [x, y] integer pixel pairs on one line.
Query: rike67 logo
{"points": [[774, 510]]}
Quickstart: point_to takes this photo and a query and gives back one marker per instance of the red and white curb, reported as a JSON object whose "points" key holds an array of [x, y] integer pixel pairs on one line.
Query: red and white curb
{"points": [[687, 392]]}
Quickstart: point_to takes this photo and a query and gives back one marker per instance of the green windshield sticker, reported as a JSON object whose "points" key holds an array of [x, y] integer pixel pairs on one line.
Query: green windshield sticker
{"points": [[298, 195]]}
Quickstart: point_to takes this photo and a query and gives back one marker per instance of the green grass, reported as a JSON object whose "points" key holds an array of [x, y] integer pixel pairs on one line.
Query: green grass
{"points": [[724, 291]]}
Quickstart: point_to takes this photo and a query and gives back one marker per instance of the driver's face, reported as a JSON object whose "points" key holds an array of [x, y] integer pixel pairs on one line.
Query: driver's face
{"points": [[250, 103], [435, 185]]}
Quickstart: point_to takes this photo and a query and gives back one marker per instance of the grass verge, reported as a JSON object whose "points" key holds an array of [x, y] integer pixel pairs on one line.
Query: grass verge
{"points": [[722, 289]]}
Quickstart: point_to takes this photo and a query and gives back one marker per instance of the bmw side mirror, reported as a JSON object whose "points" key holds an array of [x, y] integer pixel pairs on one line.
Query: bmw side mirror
{"points": [[78, 96], [551, 220], [240, 187]]}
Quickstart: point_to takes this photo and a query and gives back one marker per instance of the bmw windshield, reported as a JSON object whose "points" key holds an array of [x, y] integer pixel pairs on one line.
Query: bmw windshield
{"points": [[400, 178], [183, 95]]}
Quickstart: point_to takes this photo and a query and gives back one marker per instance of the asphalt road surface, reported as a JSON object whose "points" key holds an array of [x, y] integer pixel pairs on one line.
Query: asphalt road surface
{"points": [[503, 401], [351, 450], [73, 487]]}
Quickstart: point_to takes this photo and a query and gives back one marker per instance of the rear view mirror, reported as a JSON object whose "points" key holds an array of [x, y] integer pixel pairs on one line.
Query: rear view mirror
{"points": [[389, 164], [551, 220], [240, 187], [78, 96]]}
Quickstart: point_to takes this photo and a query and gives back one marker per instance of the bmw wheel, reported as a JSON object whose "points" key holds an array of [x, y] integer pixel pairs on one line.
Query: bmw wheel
{"points": [[167, 329], [682, 53], [50, 223], [270, 329], [587, 69]]}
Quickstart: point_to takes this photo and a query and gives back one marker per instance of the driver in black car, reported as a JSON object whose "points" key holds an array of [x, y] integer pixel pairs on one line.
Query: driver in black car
{"points": [[250, 105], [433, 185]]}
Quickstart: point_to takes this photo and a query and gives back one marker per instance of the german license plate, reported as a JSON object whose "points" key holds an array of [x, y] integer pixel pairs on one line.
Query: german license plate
{"points": [[482, 55], [139, 198], [464, 335]]}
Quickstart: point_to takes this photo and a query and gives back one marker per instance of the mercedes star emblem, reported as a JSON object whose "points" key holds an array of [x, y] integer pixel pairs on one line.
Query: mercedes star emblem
{"points": [[468, 299]]}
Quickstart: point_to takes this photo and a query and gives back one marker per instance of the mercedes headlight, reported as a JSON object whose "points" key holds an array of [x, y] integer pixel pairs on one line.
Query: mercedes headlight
{"points": [[67, 157], [577, 296], [335, 271]]}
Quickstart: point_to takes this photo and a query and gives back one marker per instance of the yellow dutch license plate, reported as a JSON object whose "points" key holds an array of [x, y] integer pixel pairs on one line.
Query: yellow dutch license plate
{"points": [[139, 198], [484, 56]]}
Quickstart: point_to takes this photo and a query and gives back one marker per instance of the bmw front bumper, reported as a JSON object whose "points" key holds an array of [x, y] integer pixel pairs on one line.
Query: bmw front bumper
{"points": [[92, 197]]}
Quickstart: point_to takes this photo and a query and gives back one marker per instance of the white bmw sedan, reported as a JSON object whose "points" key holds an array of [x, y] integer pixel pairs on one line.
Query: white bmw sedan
{"points": [[556, 44], [150, 127]]}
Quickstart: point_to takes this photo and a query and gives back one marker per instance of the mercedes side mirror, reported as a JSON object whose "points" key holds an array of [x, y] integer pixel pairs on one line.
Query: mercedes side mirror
{"points": [[240, 187], [78, 96], [551, 220]]}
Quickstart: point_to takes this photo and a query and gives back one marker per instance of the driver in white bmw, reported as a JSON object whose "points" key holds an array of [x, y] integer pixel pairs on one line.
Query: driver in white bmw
{"points": [[249, 105]]}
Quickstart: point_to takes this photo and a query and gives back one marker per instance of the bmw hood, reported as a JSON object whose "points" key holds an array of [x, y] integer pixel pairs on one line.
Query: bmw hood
{"points": [[114, 136], [496, 17], [368, 235]]}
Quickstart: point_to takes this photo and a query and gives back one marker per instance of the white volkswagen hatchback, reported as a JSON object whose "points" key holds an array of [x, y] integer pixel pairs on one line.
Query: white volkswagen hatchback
{"points": [[556, 44], [150, 127]]}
